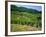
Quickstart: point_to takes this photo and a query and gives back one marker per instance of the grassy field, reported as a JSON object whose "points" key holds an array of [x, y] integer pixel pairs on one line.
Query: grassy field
{"points": [[25, 21], [18, 28]]}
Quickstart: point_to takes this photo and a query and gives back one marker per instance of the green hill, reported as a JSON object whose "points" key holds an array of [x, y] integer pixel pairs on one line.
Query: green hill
{"points": [[23, 9]]}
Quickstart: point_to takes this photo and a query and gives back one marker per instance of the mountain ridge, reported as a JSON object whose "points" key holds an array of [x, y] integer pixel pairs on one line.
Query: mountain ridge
{"points": [[23, 9]]}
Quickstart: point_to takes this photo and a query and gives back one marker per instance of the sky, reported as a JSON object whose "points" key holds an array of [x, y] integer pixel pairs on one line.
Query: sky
{"points": [[29, 5], [33, 7]]}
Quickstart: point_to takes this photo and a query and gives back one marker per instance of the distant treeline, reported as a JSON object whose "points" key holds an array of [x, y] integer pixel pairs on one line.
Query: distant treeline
{"points": [[23, 9]]}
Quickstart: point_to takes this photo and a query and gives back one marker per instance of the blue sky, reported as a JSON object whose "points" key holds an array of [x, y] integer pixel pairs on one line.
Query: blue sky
{"points": [[33, 7], [28, 5]]}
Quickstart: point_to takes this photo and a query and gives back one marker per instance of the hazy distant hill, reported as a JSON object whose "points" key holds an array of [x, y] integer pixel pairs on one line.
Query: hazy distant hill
{"points": [[23, 9]]}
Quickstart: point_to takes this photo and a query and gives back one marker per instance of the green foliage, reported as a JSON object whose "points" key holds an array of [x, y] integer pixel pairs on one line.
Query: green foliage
{"points": [[24, 16], [23, 9]]}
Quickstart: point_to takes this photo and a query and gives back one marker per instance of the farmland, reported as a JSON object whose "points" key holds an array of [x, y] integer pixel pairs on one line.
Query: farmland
{"points": [[23, 19]]}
